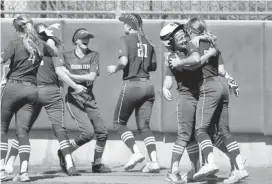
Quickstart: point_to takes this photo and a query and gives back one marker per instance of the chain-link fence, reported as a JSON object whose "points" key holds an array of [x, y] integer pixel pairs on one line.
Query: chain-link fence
{"points": [[152, 9]]}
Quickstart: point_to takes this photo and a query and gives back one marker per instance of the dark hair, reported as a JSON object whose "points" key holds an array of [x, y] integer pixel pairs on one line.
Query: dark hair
{"points": [[75, 33], [44, 36]]}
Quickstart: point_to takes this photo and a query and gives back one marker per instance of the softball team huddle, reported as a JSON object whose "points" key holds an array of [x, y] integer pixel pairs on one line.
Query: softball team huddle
{"points": [[37, 61]]}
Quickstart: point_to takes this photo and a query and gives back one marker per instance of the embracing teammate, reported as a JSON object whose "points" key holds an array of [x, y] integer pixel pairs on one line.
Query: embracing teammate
{"points": [[212, 95], [175, 40], [137, 58], [20, 92], [50, 97]]}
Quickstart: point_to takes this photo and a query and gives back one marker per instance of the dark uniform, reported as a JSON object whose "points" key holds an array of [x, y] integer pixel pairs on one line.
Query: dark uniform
{"points": [[83, 106], [211, 90], [20, 88], [137, 92], [188, 94], [19, 95], [49, 97]]}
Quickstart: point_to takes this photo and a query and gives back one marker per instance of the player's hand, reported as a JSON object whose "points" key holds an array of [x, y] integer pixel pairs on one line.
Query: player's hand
{"points": [[212, 51], [3, 82], [195, 41], [234, 87], [79, 89], [111, 69], [175, 62], [167, 93]]}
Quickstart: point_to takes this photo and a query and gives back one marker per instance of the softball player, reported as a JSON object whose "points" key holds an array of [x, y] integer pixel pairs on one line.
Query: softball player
{"points": [[49, 97], [137, 58], [211, 95], [83, 66], [173, 37], [26, 54]]}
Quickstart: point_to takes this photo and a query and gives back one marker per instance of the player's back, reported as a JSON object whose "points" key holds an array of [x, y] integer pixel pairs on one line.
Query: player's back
{"points": [[210, 68], [46, 72], [138, 61], [21, 68]]}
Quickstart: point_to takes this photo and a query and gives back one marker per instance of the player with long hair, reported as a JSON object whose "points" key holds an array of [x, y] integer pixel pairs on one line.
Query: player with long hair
{"points": [[137, 58], [25, 54], [49, 97]]}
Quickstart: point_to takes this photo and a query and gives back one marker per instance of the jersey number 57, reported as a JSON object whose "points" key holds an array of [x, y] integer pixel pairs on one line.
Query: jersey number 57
{"points": [[140, 51]]}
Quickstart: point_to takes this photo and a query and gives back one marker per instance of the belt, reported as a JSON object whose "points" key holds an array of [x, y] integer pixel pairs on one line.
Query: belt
{"points": [[44, 85], [138, 79], [22, 82]]}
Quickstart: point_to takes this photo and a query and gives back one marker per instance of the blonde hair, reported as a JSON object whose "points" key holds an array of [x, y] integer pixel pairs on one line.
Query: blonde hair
{"points": [[197, 25]]}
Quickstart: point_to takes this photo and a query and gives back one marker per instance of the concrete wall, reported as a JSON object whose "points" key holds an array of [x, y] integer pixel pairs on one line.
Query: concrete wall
{"points": [[246, 48]]}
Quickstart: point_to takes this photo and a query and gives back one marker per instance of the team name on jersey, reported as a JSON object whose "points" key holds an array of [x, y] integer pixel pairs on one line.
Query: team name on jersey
{"points": [[80, 67]]}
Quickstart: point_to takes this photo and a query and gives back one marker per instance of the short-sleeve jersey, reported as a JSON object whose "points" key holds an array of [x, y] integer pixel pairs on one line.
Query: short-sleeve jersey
{"points": [[46, 72], [81, 66], [21, 68], [187, 78], [210, 68], [139, 61]]}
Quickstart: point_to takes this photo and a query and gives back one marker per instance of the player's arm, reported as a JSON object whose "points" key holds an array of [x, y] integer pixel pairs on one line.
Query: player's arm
{"points": [[203, 59], [8, 53], [192, 59], [167, 84], [231, 82], [205, 37], [58, 62], [122, 59], [153, 66]]}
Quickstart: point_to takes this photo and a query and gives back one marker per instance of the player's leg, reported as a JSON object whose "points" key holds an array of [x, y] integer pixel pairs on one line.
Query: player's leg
{"points": [[52, 100], [76, 109], [186, 107], [101, 134], [210, 97], [22, 132], [143, 113], [9, 105], [239, 172], [123, 110], [15, 143]]}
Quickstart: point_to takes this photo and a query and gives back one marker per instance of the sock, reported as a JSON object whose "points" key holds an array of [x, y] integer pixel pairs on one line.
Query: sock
{"points": [[14, 150], [24, 152], [149, 141], [99, 149], [206, 146], [4, 150], [219, 143], [233, 149], [193, 152], [64, 147], [128, 138], [74, 146], [177, 153]]}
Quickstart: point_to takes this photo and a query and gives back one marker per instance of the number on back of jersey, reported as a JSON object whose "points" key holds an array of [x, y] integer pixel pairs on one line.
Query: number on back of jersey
{"points": [[140, 51]]}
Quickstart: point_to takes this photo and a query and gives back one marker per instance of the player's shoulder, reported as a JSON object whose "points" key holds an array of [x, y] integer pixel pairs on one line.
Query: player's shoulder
{"points": [[68, 53], [93, 54]]}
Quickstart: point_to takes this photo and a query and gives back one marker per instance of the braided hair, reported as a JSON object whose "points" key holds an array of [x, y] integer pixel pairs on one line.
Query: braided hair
{"points": [[33, 44], [137, 20]]}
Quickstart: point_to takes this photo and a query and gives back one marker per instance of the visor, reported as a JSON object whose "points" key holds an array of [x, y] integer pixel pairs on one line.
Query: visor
{"points": [[83, 33]]}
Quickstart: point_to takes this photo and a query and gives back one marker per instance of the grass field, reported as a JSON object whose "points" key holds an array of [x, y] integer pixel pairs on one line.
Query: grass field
{"points": [[50, 174]]}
